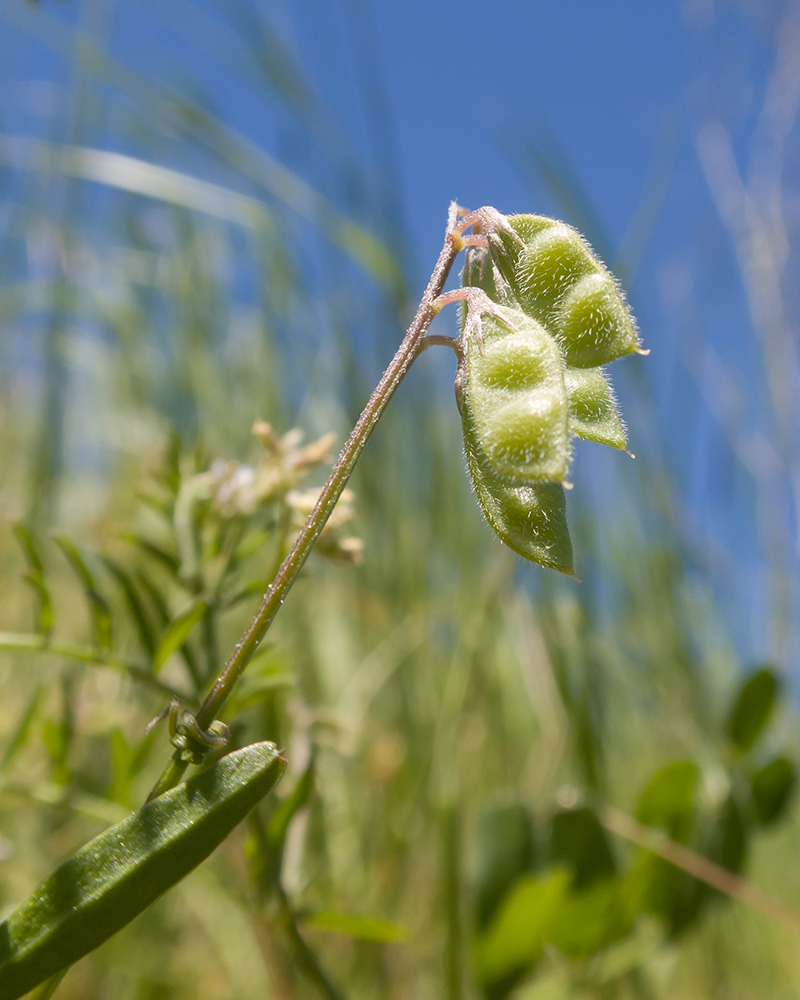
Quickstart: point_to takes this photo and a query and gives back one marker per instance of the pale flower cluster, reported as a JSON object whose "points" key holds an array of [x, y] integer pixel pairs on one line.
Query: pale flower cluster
{"points": [[332, 543], [237, 490]]}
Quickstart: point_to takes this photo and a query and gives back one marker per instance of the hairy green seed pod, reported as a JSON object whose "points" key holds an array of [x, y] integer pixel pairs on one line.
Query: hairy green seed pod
{"points": [[118, 874], [531, 519], [550, 315], [546, 268], [513, 397], [593, 413]]}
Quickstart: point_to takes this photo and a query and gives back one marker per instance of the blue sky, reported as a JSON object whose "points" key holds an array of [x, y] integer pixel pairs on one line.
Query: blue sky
{"points": [[461, 78], [449, 99]]}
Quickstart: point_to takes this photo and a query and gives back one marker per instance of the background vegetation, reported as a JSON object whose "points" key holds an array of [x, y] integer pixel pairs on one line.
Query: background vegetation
{"points": [[457, 724]]}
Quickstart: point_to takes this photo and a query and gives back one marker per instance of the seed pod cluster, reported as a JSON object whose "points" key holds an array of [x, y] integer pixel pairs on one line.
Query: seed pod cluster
{"points": [[530, 374]]}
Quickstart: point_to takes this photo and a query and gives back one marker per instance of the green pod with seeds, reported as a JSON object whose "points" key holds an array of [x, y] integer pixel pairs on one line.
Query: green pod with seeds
{"points": [[513, 397], [530, 519], [547, 269], [117, 875], [593, 413]]}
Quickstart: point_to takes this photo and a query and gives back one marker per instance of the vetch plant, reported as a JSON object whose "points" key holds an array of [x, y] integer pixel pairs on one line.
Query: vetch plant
{"points": [[541, 315]]}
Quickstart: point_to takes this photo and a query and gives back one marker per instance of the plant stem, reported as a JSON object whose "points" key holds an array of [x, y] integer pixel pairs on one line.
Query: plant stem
{"points": [[276, 594], [707, 871]]}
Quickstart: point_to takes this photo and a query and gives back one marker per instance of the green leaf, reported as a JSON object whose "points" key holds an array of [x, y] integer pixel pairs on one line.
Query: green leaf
{"points": [[118, 874], [177, 633], [138, 613], [772, 787], [20, 735], [589, 920], [35, 577], [167, 559], [752, 708], [668, 800], [360, 928], [726, 842], [654, 885], [504, 852], [30, 547], [579, 843], [515, 939], [157, 599], [257, 690], [290, 806], [161, 609], [99, 610]]}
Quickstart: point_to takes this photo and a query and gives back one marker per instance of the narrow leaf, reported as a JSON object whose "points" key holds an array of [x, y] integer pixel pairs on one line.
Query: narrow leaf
{"points": [[167, 559], [20, 735], [139, 616], [294, 801], [360, 928], [161, 608], [772, 787], [752, 708], [35, 577], [98, 606], [118, 874], [29, 546], [177, 633]]}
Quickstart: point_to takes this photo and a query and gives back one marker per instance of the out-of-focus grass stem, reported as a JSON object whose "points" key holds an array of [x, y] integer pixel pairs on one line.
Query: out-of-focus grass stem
{"points": [[273, 599]]}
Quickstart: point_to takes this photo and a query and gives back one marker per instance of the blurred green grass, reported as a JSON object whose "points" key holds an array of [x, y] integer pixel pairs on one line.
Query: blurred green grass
{"points": [[437, 678]]}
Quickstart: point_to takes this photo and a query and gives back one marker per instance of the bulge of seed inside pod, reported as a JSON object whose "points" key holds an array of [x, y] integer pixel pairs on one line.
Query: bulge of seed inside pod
{"points": [[511, 364], [549, 265], [515, 400], [593, 413], [527, 433], [593, 324]]}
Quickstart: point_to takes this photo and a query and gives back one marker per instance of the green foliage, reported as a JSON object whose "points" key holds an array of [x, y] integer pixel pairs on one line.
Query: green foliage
{"points": [[505, 851], [571, 893], [753, 707], [99, 610], [772, 786], [515, 939], [119, 873], [35, 577], [578, 841]]}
